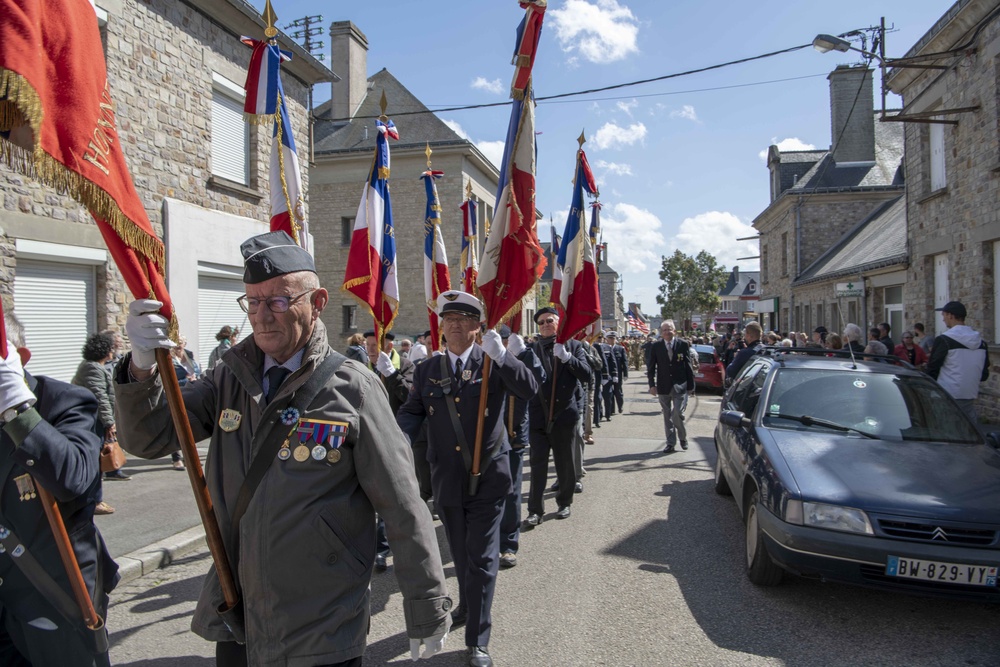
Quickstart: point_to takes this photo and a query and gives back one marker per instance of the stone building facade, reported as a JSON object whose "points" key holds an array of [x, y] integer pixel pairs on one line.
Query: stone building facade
{"points": [[818, 197], [953, 177], [165, 61]]}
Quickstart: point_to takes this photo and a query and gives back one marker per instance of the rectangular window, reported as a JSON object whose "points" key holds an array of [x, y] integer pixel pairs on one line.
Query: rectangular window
{"points": [[852, 313], [346, 231], [763, 263], [938, 176], [819, 316], [784, 254], [230, 133], [941, 290], [349, 315], [892, 305]]}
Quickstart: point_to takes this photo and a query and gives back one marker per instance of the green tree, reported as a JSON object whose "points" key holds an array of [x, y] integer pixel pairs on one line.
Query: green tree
{"points": [[690, 285]]}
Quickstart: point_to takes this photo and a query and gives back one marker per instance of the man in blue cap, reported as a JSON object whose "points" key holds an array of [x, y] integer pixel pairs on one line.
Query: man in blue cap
{"points": [[446, 391], [319, 428]]}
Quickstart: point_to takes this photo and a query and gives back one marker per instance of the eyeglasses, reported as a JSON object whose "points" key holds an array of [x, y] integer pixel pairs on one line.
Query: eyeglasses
{"points": [[276, 304], [548, 320]]}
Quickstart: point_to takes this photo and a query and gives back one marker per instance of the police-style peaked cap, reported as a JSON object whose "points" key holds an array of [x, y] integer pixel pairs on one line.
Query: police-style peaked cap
{"points": [[271, 255], [455, 301]]}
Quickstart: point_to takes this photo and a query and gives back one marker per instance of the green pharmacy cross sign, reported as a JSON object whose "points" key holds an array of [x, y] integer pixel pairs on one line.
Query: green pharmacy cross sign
{"points": [[848, 289]]}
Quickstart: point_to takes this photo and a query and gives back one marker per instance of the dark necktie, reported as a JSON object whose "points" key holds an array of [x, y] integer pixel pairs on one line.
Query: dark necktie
{"points": [[458, 372], [275, 376]]}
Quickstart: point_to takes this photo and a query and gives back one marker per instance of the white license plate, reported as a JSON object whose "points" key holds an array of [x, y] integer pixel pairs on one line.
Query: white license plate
{"points": [[949, 573], [699, 375]]}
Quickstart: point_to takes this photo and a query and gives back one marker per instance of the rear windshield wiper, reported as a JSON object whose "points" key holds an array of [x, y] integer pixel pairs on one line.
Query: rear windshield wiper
{"points": [[814, 421]]}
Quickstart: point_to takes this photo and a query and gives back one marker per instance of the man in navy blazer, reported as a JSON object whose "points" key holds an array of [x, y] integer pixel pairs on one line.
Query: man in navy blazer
{"points": [[446, 391], [670, 378]]}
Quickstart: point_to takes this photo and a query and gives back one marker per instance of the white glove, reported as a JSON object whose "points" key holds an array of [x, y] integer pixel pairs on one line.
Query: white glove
{"points": [[432, 646], [13, 389], [384, 365], [560, 352], [493, 345], [515, 345], [147, 330]]}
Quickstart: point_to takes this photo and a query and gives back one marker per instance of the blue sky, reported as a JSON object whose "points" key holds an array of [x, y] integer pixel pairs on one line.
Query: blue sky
{"points": [[679, 163]]}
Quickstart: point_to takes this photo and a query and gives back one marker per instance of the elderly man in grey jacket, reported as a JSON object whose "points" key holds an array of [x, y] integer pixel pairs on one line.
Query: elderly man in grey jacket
{"points": [[304, 550]]}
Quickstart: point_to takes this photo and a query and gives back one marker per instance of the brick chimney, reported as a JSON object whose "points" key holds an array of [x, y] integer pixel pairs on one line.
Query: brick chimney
{"points": [[349, 59], [852, 133]]}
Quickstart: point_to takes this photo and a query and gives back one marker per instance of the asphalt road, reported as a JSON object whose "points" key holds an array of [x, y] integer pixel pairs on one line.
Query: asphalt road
{"points": [[647, 572]]}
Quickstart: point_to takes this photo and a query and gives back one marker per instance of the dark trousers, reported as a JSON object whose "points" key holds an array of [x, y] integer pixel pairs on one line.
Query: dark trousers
{"points": [[23, 645], [510, 524], [381, 541], [608, 393], [473, 532], [560, 443], [231, 654], [598, 402], [422, 467], [616, 388]]}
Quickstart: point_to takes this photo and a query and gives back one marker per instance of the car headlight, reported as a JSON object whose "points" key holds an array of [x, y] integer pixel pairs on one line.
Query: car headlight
{"points": [[834, 517]]}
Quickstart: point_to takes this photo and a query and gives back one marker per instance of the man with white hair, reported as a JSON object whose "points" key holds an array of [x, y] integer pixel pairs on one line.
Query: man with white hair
{"points": [[670, 378], [853, 334]]}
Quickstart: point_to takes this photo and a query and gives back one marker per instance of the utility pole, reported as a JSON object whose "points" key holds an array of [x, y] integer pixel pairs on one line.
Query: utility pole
{"points": [[306, 32]]}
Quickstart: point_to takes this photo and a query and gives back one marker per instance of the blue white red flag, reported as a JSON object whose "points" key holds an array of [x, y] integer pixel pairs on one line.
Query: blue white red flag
{"points": [[469, 260], [436, 276], [575, 292], [263, 85], [526, 46], [371, 260], [595, 222], [554, 252]]}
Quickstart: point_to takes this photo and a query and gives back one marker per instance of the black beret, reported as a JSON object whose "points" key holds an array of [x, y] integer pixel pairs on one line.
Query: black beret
{"points": [[545, 311], [504, 331], [271, 255]]}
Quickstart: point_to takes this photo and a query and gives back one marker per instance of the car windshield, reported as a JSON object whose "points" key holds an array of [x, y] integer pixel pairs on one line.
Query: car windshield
{"points": [[883, 405]]}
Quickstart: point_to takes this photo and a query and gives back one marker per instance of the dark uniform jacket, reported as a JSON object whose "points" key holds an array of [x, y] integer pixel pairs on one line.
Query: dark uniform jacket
{"points": [[449, 474], [307, 540], [571, 374], [621, 361], [57, 444], [398, 384], [664, 373], [516, 415], [610, 365]]}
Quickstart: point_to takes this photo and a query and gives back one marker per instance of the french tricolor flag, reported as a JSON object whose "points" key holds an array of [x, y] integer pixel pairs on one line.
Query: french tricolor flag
{"points": [[469, 261], [263, 85], [371, 261], [288, 211], [574, 278], [436, 276]]}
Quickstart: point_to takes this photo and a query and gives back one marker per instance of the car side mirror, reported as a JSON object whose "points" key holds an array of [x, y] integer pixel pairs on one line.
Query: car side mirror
{"points": [[993, 438], [734, 418]]}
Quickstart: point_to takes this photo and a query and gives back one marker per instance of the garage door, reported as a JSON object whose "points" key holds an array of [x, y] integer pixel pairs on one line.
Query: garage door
{"points": [[56, 303], [217, 307]]}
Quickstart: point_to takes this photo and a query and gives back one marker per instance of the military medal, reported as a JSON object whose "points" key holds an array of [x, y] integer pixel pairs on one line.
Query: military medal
{"points": [[289, 416], [319, 452], [26, 487], [333, 455], [285, 452], [301, 453], [466, 375], [230, 420]]}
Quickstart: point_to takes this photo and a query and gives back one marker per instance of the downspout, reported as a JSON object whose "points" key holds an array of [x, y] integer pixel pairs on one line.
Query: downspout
{"points": [[864, 306], [798, 237]]}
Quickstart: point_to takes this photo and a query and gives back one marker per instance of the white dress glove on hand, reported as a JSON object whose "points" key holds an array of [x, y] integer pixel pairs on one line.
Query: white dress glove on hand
{"points": [[560, 352], [13, 389], [432, 646], [493, 346], [384, 365], [515, 345], [147, 330]]}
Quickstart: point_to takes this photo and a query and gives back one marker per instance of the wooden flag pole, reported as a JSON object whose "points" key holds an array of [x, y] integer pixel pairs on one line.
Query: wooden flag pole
{"points": [[213, 536], [477, 449]]}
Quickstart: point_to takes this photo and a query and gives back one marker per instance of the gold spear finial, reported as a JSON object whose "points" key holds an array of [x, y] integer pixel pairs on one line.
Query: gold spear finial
{"points": [[468, 189], [383, 103], [270, 18], [427, 152], [581, 140]]}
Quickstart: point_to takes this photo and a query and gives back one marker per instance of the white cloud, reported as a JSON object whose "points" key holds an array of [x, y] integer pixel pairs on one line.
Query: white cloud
{"points": [[686, 112], [716, 232], [628, 106], [601, 31], [634, 237], [493, 150], [495, 86], [616, 168], [614, 136], [789, 144]]}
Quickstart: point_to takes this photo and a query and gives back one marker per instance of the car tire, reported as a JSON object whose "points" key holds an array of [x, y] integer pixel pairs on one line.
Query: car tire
{"points": [[721, 485], [761, 569]]}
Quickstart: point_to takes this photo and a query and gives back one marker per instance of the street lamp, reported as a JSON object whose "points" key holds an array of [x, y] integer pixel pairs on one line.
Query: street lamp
{"points": [[827, 43]]}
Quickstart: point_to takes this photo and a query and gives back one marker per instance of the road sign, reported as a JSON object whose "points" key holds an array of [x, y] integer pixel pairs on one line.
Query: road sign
{"points": [[848, 289]]}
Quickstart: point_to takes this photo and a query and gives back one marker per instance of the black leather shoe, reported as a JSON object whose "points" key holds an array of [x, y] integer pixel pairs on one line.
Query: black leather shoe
{"points": [[578, 488], [684, 444], [597, 425], [380, 564], [459, 616], [554, 487], [669, 449], [563, 513], [532, 521], [479, 657], [117, 475]]}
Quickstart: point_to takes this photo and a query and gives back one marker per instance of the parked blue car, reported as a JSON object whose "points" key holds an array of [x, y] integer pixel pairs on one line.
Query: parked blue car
{"points": [[861, 471]]}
